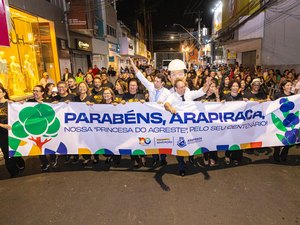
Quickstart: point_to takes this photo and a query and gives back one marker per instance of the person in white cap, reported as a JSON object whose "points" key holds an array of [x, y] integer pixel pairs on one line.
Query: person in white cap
{"points": [[180, 94], [177, 70], [255, 94]]}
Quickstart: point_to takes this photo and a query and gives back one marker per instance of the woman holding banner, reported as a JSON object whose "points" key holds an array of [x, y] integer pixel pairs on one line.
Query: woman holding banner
{"points": [[120, 89], [14, 165], [83, 95], [281, 153], [234, 95], [212, 95], [133, 96], [108, 97]]}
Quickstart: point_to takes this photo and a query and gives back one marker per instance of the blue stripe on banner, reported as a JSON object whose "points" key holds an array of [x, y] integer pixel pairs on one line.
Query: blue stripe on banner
{"points": [[125, 151], [222, 147]]}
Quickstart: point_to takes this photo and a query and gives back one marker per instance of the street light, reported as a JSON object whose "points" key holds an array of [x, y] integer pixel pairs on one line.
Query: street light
{"points": [[177, 24], [198, 41]]}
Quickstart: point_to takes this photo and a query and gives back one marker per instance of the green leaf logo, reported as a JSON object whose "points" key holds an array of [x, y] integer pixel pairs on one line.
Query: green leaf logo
{"points": [[278, 123], [37, 122]]}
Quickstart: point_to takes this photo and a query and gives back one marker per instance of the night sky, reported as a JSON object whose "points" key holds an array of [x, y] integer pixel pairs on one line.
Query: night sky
{"points": [[164, 14]]}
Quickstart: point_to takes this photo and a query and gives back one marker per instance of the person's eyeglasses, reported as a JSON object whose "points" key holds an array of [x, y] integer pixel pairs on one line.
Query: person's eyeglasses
{"points": [[35, 91]]}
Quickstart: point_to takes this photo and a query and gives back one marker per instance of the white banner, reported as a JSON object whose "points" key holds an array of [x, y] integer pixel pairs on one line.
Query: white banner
{"points": [[136, 128]]}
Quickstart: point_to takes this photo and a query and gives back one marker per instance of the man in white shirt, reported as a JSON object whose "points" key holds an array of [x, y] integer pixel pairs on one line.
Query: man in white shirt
{"points": [[181, 95], [157, 93]]}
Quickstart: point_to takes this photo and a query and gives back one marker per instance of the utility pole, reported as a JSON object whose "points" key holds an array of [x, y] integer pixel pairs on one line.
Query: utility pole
{"points": [[199, 36]]}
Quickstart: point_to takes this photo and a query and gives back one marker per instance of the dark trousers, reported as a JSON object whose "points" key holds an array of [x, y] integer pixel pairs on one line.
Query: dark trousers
{"points": [[211, 155], [86, 156], [14, 163], [281, 154], [235, 155], [163, 157], [136, 157], [181, 163]]}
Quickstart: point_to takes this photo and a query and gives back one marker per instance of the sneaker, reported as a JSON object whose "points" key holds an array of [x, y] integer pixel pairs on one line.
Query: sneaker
{"points": [[143, 161], [235, 162], [255, 152], [212, 162], [154, 163], [182, 173], [206, 162], [191, 160], [75, 160], [276, 158], [85, 162], [108, 160], [163, 162], [68, 160], [54, 163], [45, 167], [21, 169], [227, 160]]}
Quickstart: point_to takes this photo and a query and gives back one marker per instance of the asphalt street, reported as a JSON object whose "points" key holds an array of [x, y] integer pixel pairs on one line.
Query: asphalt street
{"points": [[256, 192]]}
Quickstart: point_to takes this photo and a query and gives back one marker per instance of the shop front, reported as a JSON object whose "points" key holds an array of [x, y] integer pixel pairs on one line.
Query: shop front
{"points": [[100, 53], [81, 48], [32, 51]]}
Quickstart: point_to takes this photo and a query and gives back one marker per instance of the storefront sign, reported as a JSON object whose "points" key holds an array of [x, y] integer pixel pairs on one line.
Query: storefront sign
{"points": [[141, 49], [83, 45], [114, 48], [111, 58], [231, 55], [77, 22], [76, 17], [4, 37], [126, 46], [136, 128]]}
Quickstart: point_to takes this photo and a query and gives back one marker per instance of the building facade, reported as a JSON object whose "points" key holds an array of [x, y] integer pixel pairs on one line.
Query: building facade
{"points": [[261, 33], [33, 50]]}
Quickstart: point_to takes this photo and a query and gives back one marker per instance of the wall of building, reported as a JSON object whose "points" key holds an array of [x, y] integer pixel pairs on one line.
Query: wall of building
{"points": [[281, 45], [44, 9], [111, 20]]}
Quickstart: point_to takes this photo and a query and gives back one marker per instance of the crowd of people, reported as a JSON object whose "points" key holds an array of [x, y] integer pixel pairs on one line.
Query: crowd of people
{"points": [[168, 87]]}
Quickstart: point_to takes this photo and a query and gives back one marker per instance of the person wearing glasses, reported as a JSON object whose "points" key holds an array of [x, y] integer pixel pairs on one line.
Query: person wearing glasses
{"points": [[38, 96], [183, 94], [64, 96], [133, 95], [108, 97]]}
